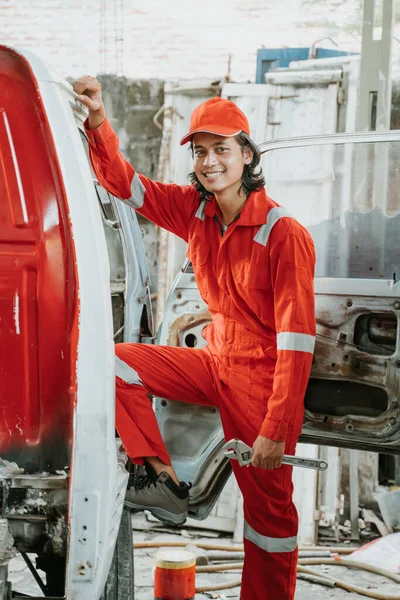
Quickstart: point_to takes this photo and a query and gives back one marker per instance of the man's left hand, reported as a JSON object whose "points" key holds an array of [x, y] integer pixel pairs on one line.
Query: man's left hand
{"points": [[268, 453]]}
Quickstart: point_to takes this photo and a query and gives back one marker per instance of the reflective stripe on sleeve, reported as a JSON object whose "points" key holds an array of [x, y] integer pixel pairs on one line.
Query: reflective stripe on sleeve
{"points": [[276, 213], [200, 211], [269, 544], [138, 191], [126, 373], [300, 342]]}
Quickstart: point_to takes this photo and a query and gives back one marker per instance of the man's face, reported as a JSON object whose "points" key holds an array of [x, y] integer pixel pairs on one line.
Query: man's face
{"points": [[219, 162]]}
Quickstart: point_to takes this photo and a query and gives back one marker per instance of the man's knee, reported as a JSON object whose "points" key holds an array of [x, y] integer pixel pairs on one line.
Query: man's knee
{"points": [[124, 369], [124, 349]]}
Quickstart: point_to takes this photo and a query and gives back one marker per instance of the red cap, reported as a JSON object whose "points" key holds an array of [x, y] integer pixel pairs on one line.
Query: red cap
{"points": [[218, 116]]}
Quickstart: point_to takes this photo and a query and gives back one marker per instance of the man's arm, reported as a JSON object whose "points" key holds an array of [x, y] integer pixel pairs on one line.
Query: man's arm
{"points": [[169, 206], [292, 261]]}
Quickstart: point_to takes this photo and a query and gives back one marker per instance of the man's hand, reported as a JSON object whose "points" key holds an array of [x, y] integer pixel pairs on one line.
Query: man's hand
{"points": [[268, 453], [89, 93]]}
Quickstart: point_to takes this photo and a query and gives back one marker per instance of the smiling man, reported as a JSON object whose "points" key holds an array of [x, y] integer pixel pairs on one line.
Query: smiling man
{"points": [[254, 266]]}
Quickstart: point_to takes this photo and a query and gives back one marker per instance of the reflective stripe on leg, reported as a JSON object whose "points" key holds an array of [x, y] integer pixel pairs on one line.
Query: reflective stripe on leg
{"points": [[269, 544], [126, 373]]}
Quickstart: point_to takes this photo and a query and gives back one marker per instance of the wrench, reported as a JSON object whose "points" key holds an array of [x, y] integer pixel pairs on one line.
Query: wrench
{"points": [[238, 450]]}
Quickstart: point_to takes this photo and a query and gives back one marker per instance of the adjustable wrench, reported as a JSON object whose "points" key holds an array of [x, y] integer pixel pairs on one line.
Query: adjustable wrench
{"points": [[238, 450]]}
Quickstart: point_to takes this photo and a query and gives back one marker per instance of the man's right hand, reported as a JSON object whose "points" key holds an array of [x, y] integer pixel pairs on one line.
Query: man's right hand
{"points": [[89, 93]]}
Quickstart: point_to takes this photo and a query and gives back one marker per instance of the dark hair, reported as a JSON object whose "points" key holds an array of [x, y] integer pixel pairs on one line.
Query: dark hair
{"points": [[253, 178]]}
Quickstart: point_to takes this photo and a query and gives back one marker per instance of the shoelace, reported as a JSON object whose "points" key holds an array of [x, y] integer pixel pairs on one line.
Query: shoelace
{"points": [[145, 483], [140, 482]]}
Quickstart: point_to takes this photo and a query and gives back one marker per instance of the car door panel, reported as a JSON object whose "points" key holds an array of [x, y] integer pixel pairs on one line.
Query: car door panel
{"points": [[344, 189]]}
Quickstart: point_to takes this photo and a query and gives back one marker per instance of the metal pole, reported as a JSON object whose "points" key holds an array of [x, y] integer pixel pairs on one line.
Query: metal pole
{"points": [[375, 91], [354, 503], [374, 108]]}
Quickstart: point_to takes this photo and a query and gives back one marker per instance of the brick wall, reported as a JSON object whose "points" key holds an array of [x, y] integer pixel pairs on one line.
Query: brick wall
{"points": [[167, 39]]}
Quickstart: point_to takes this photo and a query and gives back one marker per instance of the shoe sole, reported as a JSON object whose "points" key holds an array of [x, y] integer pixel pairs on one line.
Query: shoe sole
{"points": [[159, 513]]}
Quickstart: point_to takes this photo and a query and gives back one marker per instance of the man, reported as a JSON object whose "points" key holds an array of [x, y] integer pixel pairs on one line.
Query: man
{"points": [[254, 266]]}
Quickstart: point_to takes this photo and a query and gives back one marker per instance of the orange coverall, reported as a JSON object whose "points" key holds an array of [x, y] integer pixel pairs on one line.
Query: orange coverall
{"points": [[257, 280]]}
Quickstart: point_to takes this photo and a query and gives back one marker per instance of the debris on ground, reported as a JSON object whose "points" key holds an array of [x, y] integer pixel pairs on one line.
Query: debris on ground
{"points": [[383, 553], [369, 517], [389, 505], [9, 469], [323, 572]]}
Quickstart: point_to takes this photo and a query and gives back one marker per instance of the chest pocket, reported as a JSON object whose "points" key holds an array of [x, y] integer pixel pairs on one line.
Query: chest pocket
{"points": [[252, 274], [253, 282], [199, 256]]}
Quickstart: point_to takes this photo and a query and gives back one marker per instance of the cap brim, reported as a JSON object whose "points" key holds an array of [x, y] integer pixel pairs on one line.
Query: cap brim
{"points": [[217, 131]]}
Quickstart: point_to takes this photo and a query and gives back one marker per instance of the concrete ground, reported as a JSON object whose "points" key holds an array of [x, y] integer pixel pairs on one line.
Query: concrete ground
{"points": [[144, 569], [144, 561]]}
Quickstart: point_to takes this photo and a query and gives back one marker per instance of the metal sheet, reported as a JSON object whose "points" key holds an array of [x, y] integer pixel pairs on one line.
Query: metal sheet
{"points": [[347, 196]]}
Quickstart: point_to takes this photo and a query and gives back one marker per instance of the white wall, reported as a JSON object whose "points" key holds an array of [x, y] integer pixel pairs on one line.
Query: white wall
{"points": [[172, 38]]}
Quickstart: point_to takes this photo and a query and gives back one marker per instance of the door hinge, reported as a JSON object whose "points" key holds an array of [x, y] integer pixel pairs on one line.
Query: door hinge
{"points": [[342, 95], [317, 515]]}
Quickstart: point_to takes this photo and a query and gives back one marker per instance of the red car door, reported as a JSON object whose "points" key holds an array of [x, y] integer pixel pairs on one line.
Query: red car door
{"points": [[38, 284]]}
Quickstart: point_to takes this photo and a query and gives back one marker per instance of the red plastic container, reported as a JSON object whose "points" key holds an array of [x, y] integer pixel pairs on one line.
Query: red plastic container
{"points": [[175, 576]]}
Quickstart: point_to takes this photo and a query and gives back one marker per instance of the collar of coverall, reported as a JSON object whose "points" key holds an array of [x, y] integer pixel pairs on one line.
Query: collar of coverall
{"points": [[254, 211]]}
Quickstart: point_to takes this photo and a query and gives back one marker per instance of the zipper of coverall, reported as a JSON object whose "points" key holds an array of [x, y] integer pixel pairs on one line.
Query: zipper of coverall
{"points": [[220, 263], [221, 225], [231, 227]]}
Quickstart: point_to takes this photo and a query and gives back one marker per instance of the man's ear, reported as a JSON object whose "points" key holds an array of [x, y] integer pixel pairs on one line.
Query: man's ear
{"points": [[248, 155]]}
